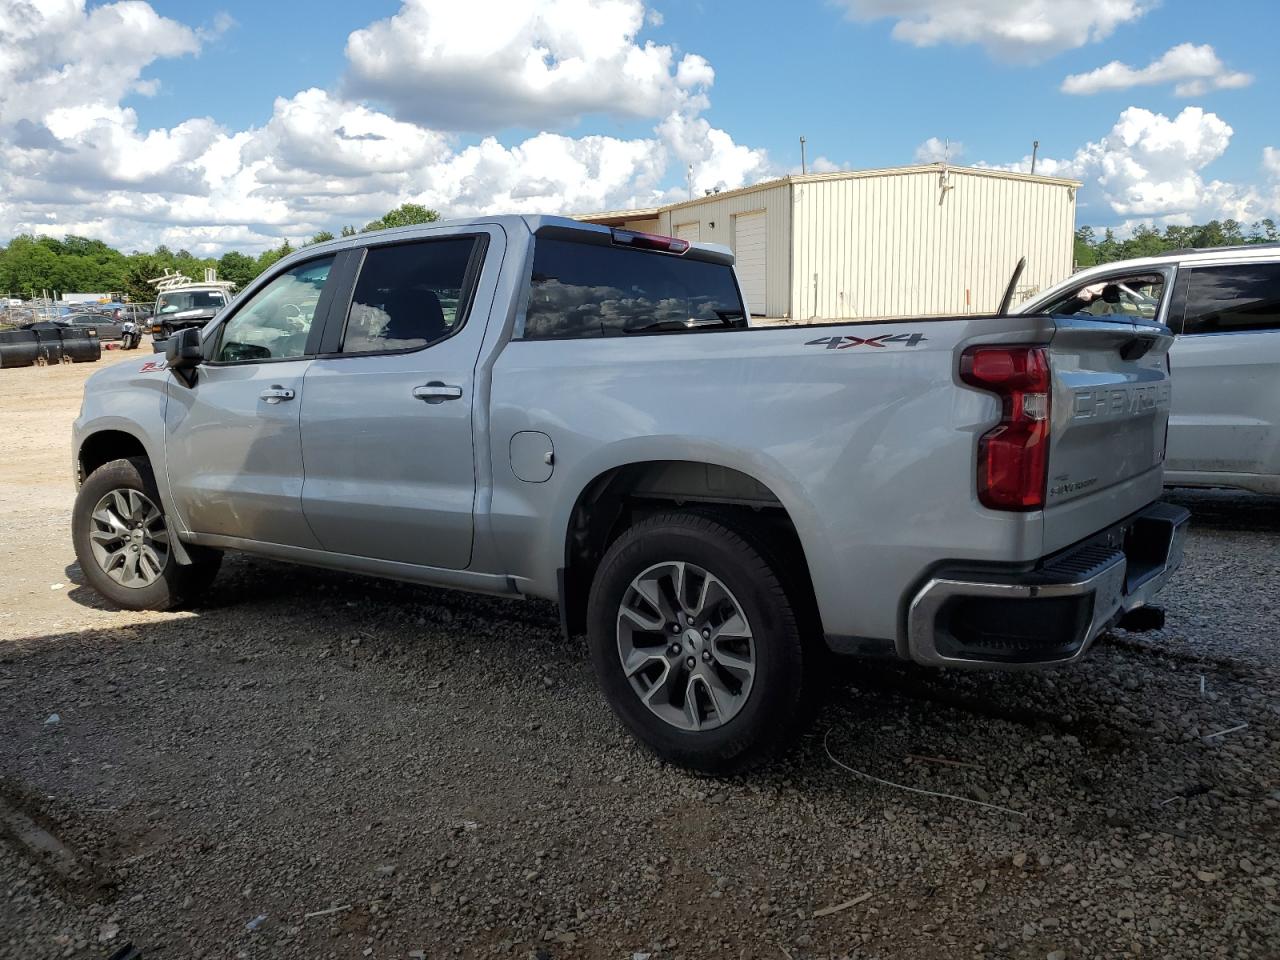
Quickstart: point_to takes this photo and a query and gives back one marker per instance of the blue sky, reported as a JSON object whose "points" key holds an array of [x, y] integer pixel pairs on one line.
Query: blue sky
{"points": [[782, 71], [190, 114]]}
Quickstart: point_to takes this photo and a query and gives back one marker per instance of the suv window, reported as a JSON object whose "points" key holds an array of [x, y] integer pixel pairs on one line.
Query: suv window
{"points": [[1231, 299], [588, 290], [1135, 296], [408, 295], [275, 322]]}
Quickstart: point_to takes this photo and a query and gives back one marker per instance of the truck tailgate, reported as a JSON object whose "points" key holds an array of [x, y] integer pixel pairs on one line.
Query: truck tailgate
{"points": [[1110, 417]]}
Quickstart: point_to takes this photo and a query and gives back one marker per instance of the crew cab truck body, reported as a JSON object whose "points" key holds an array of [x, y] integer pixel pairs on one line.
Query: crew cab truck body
{"points": [[530, 406]]}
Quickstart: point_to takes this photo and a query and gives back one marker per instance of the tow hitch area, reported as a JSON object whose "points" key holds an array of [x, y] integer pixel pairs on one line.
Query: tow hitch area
{"points": [[1142, 620]]}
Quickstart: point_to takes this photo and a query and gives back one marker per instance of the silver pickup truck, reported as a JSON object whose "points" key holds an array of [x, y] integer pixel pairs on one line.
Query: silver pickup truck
{"points": [[531, 406]]}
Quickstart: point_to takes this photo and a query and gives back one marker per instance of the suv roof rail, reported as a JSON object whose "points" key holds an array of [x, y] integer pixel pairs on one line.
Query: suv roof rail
{"points": [[1182, 252]]}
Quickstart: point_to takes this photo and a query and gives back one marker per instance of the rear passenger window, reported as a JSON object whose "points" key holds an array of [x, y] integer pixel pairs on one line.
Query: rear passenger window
{"points": [[408, 295], [1232, 299], [590, 290]]}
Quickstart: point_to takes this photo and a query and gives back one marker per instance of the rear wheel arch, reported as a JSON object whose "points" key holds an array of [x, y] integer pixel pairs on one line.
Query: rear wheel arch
{"points": [[622, 496]]}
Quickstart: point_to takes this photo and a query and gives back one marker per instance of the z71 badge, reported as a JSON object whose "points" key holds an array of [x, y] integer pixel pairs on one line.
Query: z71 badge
{"points": [[152, 365], [845, 342]]}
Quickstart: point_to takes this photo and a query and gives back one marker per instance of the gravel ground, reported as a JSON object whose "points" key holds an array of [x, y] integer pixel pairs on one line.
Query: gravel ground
{"points": [[319, 765]]}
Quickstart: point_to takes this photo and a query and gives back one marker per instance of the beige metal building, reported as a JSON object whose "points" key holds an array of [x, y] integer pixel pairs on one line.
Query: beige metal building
{"points": [[920, 240]]}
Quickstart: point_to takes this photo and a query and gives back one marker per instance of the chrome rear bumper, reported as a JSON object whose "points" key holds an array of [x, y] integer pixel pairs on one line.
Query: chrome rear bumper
{"points": [[1052, 614]]}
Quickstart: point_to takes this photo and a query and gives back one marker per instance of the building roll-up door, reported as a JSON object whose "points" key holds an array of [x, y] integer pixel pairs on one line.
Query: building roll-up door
{"points": [[749, 244], [687, 231]]}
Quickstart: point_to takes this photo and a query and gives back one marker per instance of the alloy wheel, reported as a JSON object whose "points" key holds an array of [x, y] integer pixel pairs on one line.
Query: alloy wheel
{"points": [[129, 539], [686, 646]]}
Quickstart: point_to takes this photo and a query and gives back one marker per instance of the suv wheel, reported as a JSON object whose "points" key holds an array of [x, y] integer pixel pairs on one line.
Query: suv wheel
{"points": [[696, 643], [122, 541]]}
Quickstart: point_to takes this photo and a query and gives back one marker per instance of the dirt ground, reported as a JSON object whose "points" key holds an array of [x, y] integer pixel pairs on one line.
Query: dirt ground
{"points": [[310, 764]]}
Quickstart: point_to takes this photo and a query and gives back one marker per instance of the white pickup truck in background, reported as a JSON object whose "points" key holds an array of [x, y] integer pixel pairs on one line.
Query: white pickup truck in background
{"points": [[1224, 306]]}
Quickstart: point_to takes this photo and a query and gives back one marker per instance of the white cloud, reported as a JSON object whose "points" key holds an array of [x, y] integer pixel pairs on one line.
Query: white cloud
{"points": [[56, 54], [1150, 167], [934, 150], [77, 160], [1271, 161], [1194, 70], [520, 63], [1023, 30], [718, 162]]}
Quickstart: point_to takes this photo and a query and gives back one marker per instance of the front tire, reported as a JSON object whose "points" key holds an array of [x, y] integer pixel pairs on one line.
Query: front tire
{"points": [[123, 543], [696, 643]]}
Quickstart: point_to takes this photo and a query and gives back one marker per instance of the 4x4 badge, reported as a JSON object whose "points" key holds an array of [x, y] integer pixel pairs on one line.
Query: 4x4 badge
{"points": [[846, 341]]}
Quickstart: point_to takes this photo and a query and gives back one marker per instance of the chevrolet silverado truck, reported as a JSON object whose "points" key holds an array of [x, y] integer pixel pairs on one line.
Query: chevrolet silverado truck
{"points": [[536, 407]]}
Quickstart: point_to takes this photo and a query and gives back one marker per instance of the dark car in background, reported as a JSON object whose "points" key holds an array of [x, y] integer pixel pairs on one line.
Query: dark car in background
{"points": [[93, 324]]}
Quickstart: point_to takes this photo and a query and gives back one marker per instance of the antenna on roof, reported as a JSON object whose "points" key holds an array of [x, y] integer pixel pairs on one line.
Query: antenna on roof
{"points": [[1035, 149], [803, 165], [690, 181]]}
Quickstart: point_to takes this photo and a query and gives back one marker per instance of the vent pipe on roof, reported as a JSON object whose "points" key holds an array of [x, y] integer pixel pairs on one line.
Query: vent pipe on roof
{"points": [[1035, 148], [803, 166]]}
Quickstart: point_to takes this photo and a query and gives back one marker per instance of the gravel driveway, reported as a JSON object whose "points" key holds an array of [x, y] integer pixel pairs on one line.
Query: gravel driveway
{"points": [[320, 765]]}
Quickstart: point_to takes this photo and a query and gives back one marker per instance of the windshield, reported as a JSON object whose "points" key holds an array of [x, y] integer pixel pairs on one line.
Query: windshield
{"points": [[183, 300]]}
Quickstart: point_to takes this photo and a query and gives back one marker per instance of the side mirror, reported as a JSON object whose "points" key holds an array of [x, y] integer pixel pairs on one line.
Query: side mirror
{"points": [[182, 351], [182, 354]]}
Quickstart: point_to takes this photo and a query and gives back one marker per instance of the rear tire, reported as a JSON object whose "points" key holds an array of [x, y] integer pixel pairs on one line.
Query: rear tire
{"points": [[123, 543], [699, 694]]}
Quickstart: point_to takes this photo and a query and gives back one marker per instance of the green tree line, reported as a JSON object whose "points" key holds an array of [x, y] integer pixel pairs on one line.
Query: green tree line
{"points": [[30, 264], [1145, 241]]}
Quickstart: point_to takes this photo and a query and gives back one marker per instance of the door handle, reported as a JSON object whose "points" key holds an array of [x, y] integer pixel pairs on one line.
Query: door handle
{"points": [[276, 394], [437, 392]]}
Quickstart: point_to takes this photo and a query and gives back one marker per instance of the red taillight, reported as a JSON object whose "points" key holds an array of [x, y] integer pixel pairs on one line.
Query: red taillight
{"points": [[1013, 457], [649, 241]]}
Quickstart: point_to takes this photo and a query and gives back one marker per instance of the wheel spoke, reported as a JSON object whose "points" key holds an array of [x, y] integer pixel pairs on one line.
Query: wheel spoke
{"points": [[660, 694], [714, 594], [680, 585], [150, 564], [650, 588], [130, 570], [106, 516], [734, 628], [691, 712], [737, 664], [640, 621], [120, 498], [113, 561], [639, 659], [715, 691]]}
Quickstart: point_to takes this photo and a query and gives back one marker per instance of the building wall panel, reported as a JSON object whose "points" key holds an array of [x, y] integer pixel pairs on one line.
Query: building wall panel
{"points": [[898, 244]]}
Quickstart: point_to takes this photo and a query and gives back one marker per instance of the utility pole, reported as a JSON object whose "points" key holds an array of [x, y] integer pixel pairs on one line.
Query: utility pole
{"points": [[1035, 148], [803, 167]]}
